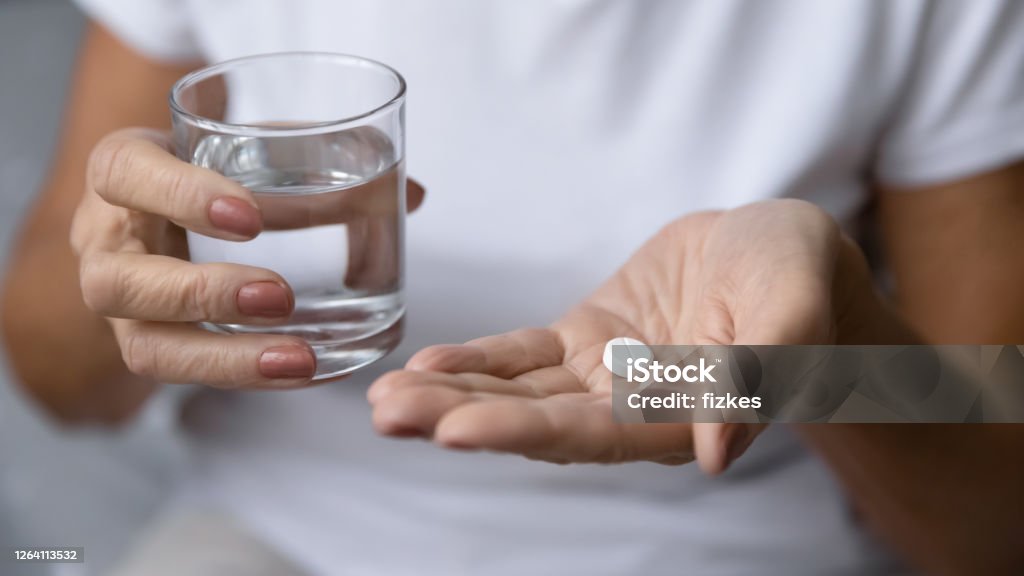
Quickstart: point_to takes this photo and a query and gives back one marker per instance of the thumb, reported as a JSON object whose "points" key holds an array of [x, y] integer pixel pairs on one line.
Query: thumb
{"points": [[797, 319], [718, 445]]}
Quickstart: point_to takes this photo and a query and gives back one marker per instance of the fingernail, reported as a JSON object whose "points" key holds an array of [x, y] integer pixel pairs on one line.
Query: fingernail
{"points": [[236, 216], [264, 299], [287, 362]]}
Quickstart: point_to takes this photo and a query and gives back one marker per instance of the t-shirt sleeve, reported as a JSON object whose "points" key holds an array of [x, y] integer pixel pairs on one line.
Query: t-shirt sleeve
{"points": [[157, 29], [962, 111]]}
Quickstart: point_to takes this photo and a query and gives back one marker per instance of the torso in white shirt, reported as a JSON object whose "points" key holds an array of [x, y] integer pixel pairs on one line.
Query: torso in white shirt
{"points": [[554, 137]]}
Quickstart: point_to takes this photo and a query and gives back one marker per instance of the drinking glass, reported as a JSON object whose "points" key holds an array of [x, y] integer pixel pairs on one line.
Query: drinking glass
{"points": [[320, 141]]}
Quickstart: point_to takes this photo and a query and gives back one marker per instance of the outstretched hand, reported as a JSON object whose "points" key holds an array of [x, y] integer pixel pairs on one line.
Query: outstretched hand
{"points": [[775, 272]]}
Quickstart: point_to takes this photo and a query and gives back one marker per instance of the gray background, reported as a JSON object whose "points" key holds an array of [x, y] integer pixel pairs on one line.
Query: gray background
{"points": [[90, 488]]}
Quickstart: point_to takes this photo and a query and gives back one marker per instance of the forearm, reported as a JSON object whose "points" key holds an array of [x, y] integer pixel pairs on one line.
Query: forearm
{"points": [[63, 354], [946, 496]]}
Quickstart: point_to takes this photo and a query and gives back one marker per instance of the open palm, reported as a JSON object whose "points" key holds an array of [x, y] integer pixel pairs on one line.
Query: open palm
{"points": [[776, 272]]}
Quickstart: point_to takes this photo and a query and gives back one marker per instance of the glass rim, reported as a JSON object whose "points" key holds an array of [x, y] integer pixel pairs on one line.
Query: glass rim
{"points": [[207, 72]]}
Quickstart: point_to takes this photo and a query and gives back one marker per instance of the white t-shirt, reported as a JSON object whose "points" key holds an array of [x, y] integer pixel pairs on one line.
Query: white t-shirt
{"points": [[554, 137]]}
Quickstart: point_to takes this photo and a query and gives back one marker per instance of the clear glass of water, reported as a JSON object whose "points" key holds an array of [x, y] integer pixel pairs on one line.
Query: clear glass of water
{"points": [[320, 141]]}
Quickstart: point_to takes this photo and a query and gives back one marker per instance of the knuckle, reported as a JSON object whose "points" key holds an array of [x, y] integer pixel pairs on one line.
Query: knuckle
{"points": [[180, 188], [96, 285], [216, 366], [198, 300], [110, 159], [138, 354]]}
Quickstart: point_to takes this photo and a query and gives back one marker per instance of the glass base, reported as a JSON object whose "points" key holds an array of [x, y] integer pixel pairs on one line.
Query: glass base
{"points": [[334, 361]]}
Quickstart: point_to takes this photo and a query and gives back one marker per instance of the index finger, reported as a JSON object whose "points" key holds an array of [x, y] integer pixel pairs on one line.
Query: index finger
{"points": [[135, 169], [563, 428], [505, 355]]}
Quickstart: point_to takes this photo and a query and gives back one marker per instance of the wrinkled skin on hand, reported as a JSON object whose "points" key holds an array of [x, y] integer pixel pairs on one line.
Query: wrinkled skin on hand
{"points": [[775, 272]]}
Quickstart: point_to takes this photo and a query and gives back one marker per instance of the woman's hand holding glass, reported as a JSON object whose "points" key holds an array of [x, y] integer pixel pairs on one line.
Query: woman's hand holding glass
{"points": [[128, 233]]}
